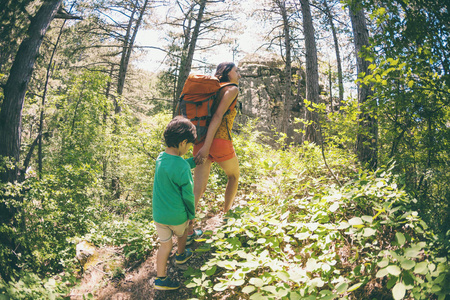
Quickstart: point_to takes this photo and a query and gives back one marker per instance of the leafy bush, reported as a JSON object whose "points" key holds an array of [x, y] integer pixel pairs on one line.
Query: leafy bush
{"points": [[302, 237], [136, 237], [30, 286], [74, 197]]}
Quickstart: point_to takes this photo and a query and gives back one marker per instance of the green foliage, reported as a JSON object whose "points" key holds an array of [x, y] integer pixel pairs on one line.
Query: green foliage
{"points": [[30, 286], [73, 199], [299, 236], [338, 129], [412, 88], [136, 237]]}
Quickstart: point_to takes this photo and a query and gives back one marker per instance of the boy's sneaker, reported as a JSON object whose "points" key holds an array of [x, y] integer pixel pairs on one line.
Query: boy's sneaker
{"points": [[182, 258], [164, 284], [197, 233]]}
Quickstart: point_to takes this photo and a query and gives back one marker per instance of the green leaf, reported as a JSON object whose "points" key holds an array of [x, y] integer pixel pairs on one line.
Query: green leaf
{"points": [[421, 268], [369, 232], [311, 265], [283, 275], [342, 288], [399, 291], [413, 251], [302, 235], [367, 219], [343, 225], [237, 282], [203, 248], [258, 296], [436, 288], [391, 282], [383, 263], [219, 287], [334, 207], [394, 270], [382, 273], [355, 287], [407, 264], [211, 271], [248, 289], [400, 237], [355, 221], [257, 282]]}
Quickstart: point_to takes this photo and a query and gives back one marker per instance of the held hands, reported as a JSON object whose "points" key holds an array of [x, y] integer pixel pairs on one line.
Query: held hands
{"points": [[201, 156]]}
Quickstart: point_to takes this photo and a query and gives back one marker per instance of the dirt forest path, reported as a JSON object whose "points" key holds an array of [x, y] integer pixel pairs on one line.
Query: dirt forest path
{"points": [[137, 283]]}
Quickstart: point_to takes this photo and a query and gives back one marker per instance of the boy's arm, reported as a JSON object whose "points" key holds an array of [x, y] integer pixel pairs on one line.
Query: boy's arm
{"points": [[187, 195], [191, 162]]}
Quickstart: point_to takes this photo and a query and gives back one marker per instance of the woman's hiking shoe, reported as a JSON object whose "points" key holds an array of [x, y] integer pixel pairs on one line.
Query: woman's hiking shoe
{"points": [[165, 284], [197, 233], [184, 257]]}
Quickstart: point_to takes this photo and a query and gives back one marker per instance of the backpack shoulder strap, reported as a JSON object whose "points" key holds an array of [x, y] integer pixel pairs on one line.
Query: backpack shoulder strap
{"points": [[224, 84]]}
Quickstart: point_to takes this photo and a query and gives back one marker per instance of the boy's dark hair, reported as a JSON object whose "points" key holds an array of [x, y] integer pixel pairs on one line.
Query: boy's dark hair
{"points": [[222, 71], [178, 130]]}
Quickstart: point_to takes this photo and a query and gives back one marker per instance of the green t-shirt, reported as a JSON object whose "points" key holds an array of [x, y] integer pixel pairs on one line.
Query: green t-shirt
{"points": [[173, 190]]}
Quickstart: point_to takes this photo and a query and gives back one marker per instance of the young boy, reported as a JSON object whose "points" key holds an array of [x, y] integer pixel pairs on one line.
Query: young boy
{"points": [[173, 197]]}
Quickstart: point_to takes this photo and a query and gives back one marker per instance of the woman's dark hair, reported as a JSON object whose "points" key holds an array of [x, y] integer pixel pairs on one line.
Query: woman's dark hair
{"points": [[178, 130], [222, 71]]}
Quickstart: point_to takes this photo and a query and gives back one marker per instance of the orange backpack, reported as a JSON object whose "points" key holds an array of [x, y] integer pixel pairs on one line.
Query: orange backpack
{"points": [[198, 101]]}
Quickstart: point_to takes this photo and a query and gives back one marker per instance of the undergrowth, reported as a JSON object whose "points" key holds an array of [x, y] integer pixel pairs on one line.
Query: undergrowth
{"points": [[299, 235], [294, 232]]}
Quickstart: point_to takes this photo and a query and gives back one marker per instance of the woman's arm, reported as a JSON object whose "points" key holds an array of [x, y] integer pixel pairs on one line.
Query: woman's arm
{"points": [[229, 94]]}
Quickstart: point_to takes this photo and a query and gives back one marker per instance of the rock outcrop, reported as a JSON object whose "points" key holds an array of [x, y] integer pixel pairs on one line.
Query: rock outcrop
{"points": [[261, 96]]}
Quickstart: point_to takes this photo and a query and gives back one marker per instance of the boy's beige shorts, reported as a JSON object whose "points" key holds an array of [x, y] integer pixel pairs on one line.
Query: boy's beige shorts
{"points": [[165, 232]]}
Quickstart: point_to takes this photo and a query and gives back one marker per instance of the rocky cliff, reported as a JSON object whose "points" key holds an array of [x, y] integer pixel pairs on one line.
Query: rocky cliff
{"points": [[261, 96]]}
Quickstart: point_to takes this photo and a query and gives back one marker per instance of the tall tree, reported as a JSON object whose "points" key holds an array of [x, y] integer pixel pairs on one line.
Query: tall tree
{"points": [[16, 87], [12, 106], [367, 136], [312, 73], [195, 27], [191, 37], [411, 77], [14, 21], [330, 19], [288, 64], [134, 23]]}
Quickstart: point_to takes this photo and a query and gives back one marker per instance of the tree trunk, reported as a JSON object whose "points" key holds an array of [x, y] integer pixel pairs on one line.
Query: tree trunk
{"points": [[16, 87], [367, 136], [288, 67], [337, 52], [186, 60], [11, 111], [312, 74], [44, 96], [128, 44], [330, 86]]}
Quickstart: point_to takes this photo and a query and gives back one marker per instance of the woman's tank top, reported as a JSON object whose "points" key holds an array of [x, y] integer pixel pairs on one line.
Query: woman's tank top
{"points": [[224, 130]]}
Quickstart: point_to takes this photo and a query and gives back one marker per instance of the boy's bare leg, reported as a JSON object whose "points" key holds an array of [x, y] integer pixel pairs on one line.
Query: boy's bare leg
{"points": [[161, 258], [201, 176], [231, 169], [182, 242]]}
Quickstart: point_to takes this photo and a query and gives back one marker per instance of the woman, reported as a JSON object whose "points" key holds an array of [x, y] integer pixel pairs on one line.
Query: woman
{"points": [[217, 146]]}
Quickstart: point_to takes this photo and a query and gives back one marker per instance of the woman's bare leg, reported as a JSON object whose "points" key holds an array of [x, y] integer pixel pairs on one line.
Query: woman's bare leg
{"points": [[201, 176], [231, 168]]}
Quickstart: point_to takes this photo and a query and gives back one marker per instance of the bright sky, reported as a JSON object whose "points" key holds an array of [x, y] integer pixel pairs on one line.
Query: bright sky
{"points": [[153, 59]]}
